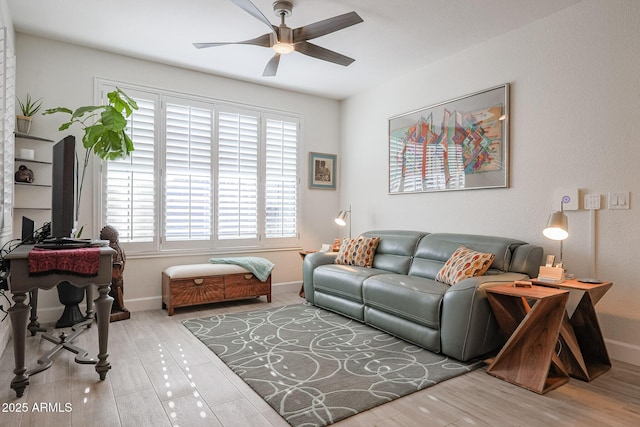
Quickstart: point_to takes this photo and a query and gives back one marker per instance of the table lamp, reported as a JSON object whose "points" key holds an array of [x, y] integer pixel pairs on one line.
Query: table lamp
{"points": [[557, 227], [342, 218]]}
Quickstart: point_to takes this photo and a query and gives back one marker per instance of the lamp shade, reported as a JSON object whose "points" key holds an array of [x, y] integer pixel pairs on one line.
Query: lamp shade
{"points": [[341, 219], [557, 227]]}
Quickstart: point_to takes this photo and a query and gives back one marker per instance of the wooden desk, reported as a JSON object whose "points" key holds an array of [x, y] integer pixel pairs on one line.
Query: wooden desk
{"points": [[528, 358], [20, 282], [583, 351]]}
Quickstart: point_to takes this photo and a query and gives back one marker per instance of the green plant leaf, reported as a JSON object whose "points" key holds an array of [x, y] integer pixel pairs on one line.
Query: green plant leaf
{"points": [[92, 135], [128, 144], [57, 110], [87, 109], [132, 103], [112, 119], [127, 104]]}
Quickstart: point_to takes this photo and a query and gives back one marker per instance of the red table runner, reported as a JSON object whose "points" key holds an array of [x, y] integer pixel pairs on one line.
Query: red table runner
{"points": [[84, 261]]}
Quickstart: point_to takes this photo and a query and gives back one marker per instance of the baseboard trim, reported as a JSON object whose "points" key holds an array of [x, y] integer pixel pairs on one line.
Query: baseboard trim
{"points": [[623, 351], [143, 304], [154, 303]]}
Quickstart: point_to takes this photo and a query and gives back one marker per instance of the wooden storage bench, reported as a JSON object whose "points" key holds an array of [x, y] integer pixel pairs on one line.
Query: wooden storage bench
{"points": [[186, 285]]}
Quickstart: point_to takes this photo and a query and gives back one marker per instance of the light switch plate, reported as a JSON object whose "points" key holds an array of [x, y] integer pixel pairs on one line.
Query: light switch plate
{"points": [[592, 201], [619, 200]]}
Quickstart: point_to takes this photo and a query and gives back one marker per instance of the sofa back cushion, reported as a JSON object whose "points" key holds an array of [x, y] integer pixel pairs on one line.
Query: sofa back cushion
{"points": [[435, 249], [395, 249]]}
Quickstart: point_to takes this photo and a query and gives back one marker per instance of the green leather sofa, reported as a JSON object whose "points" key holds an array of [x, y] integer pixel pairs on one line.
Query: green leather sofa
{"points": [[400, 295]]}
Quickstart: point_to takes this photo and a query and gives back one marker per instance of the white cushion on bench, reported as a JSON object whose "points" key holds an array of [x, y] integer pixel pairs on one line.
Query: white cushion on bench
{"points": [[203, 270]]}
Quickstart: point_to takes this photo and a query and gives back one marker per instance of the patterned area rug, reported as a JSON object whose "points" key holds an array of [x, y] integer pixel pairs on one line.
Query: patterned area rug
{"points": [[316, 367]]}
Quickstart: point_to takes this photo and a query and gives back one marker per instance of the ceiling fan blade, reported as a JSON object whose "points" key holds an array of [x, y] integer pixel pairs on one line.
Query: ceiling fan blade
{"points": [[252, 10], [264, 40], [272, 66], [318, 52], [327, 26]]}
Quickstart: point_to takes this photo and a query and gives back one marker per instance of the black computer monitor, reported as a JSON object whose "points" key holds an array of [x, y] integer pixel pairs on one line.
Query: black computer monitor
{"points": [[28, 227], [63, 183]]}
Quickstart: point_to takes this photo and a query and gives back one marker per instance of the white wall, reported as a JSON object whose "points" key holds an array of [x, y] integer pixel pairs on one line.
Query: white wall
{"points": [[575, 98], [64, 75]]}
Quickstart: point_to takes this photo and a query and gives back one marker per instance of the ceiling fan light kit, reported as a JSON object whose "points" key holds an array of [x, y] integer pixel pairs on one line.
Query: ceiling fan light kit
{"points": [[283, 47], [283, 39]]}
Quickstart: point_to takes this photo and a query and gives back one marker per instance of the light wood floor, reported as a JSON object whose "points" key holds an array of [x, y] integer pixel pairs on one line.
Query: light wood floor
{"points": [[162, 376]]}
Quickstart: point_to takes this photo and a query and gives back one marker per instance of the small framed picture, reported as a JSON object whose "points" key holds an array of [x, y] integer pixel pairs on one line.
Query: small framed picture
{"points": [[322, 171]]}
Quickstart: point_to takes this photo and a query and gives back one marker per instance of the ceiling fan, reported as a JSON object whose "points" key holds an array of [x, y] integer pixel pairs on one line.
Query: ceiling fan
{"points": [[283, 39]]}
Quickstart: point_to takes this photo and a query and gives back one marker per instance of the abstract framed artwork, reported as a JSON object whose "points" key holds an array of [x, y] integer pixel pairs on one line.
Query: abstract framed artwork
{"points": [[322, 171], [461, 144]]}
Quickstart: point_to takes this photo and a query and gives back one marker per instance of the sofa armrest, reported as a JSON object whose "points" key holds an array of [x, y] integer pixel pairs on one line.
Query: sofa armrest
{"points": [[468, 327], [312, 261]]}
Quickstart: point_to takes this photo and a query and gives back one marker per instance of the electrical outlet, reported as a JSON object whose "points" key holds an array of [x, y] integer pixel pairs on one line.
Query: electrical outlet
{"points": [[592, 201]]}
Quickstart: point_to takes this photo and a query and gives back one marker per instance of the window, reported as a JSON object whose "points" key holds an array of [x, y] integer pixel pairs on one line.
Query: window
{"points": [[281, 179], [204, 175], [130, 184], [237, 175], [188, 180]]}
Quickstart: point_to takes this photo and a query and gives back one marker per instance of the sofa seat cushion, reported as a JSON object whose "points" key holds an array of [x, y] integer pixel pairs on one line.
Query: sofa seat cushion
{"points": [[342, 280], [413, 298]]}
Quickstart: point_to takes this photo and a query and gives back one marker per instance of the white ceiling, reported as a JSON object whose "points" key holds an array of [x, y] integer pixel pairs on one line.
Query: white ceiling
{"points": [[397, 36]]}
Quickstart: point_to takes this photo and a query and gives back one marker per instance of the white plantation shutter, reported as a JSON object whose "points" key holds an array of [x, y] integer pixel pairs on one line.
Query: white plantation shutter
{"points": [[204, 175], [130, 183], [7, 125], [237, 201], [188, 180], [281, 179]]}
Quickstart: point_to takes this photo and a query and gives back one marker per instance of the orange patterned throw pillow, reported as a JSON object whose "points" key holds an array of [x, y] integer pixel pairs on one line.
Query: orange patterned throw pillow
{"points": [[464, 263], [358, 251]]}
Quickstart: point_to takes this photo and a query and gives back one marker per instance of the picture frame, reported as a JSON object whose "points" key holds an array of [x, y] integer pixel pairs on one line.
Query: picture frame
{"points": [[460, 144], [322, 171]]}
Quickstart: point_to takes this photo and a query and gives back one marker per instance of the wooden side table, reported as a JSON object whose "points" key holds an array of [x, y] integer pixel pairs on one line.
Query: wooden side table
{"points": [[583, 352], [528, 359]]}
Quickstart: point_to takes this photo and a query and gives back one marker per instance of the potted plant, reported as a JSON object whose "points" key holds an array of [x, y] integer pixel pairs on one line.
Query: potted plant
{"points": [[104, 131], [28, 108], [105, 136]]}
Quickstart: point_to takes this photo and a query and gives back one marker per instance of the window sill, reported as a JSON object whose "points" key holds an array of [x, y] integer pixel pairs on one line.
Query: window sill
{"points": [[211, 253]]}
